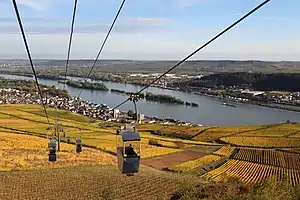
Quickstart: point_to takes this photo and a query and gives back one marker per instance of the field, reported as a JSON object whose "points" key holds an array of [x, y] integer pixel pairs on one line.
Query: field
{"points": [[22, 152], [252, 172], [249, 153], [87, 182], [225, 151], [27, 119], [193, 164], [270, 157], [182, 132], [277, 142], [218, 132], [277, 131], [164, 162]]}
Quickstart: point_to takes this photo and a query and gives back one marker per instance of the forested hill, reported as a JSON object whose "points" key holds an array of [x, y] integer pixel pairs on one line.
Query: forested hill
{"points": [[257, 81], [188, 67]]}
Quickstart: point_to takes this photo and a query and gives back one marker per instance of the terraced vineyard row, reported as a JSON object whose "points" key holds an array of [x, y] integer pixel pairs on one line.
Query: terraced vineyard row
{"points": [[276, 131], [270, 157], [23, 152], [218, 132], [183, 132], [225, 151], [252, 173], [21, 119], [262, 141], [192, 164], [94, 182]]}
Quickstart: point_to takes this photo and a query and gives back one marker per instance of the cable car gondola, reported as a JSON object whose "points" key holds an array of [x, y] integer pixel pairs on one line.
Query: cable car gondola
{"points": [[128, 152], [78, 145], [52, 149]]}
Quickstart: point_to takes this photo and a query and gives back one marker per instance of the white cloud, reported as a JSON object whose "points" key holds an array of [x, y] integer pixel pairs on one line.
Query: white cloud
{"points": [[34, 4], [58, 26], [153, 21]]}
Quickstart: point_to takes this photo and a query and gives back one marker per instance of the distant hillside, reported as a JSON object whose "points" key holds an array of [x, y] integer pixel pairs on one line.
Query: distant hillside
{"points": [[189, 67], [257, 81]]}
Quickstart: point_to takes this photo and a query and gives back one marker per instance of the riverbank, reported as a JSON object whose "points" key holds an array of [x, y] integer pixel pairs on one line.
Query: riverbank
{"points": [[210, 112], [247, 101]]}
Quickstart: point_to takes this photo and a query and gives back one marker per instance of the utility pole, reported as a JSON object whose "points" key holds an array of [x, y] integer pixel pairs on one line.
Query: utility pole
{"points": [[57, 131]]}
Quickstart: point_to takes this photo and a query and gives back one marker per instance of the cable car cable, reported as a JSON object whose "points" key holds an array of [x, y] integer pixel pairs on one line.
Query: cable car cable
{"points": [[29, 57], [199, 49], [104, 42], [103, 45], [69, 52], [70, 41]]}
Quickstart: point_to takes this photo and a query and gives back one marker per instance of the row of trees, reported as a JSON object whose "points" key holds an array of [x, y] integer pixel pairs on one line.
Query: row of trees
{"points": [[256, 81], [87, 85], [157, 97], [163, 98], [30, 87]]}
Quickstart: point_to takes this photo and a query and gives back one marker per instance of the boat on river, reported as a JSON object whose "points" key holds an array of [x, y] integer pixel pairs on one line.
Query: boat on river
{"points": [[227, 104]]}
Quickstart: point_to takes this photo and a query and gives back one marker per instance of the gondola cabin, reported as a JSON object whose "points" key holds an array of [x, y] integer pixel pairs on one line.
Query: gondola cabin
{"points": [[52, 150], [128, 151], [68, 139], [78, 145]]}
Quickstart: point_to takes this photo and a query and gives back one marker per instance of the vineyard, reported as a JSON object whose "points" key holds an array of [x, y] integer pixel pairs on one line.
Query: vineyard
{"points": [[225, 151], [281, 142], [182, 132], [22, 152], [190, 165], [270, 157], [88, 182], [276, 131], [193, 150], [252, 172], [26, 119], [219, 132]]}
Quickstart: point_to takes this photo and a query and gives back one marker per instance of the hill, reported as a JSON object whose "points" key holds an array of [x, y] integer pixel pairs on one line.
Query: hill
{"points": [[190, 67], [199, 156], [256, 81]]}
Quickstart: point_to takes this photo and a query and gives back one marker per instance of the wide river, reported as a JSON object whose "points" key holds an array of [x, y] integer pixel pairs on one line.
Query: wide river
{"points": [[209, 112]]}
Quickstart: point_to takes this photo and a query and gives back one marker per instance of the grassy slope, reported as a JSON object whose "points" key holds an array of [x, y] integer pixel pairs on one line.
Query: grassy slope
{"points": [[28, 118], [23, 152]]}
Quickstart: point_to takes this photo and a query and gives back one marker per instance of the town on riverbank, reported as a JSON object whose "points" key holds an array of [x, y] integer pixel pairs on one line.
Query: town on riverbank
{"points": [[24, 92]]}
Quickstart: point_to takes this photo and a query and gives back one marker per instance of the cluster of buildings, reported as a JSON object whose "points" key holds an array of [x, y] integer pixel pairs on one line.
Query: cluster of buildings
{"points": [[73, 104], [76, 105], [292, 98]]}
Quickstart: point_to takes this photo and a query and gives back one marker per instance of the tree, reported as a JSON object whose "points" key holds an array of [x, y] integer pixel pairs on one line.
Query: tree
{"points": [[130, 113]]}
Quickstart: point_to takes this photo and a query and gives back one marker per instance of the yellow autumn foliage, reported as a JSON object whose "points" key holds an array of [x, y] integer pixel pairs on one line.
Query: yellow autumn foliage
{"points": [[189, 165], [22, 152]]}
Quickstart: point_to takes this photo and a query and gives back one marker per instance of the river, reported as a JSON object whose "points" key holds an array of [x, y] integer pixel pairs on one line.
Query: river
{"points": [[210, 110]]}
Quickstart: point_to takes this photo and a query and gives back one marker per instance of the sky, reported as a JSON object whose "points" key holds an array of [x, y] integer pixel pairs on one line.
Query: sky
{"points": [[153, 29]]}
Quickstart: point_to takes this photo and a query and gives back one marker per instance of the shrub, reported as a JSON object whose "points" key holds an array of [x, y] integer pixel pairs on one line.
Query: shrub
{"points": [[233, 189], [180, 144], [154, 143]]}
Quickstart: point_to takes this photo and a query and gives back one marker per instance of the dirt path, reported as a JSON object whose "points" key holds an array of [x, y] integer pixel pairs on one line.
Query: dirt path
{"points": [[172, 159]]}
